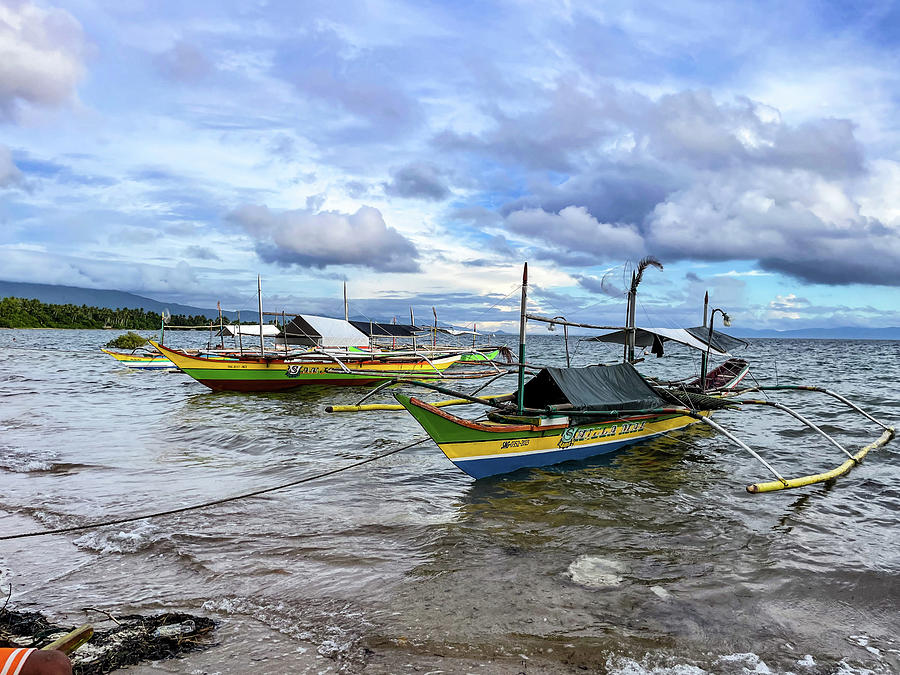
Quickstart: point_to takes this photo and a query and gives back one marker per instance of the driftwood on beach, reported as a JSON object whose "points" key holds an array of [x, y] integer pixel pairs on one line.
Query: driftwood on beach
{"points": [[131, 640]]}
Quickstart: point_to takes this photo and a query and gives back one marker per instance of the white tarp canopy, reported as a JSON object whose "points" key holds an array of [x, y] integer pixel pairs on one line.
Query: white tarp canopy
{"points": [[644, 338], [321, 331], [232, 330]]}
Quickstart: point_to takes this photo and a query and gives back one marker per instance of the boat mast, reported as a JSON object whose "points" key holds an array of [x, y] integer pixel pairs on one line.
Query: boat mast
{"points": [[412, 322], [240, 341], [629, 320], [520, 397], [704, 356], [262, 349], [346, 307]]}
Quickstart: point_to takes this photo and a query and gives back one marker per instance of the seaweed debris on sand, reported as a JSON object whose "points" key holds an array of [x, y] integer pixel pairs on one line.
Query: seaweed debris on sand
{"points": [[134, 639]]}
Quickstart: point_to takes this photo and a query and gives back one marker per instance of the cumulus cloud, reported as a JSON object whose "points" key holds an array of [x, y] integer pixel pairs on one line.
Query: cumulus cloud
{"points": [[9, 173], [418, 180], [684, 176], [41, 56], [575, 231], [308, 239], [796, 223]]}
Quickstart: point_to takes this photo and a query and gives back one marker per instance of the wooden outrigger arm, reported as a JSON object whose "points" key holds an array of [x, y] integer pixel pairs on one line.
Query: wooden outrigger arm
{"points": [[795, 414], [822, 390], [854, 459], [781, 483]]}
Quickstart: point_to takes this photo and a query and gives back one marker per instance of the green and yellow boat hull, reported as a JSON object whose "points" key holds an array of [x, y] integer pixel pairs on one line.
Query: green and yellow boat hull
{"points": [[256, 374], [484, 449]]}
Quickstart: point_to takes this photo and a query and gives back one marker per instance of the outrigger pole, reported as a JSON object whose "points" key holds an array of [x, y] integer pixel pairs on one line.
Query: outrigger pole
{"points": [[520, 396]]}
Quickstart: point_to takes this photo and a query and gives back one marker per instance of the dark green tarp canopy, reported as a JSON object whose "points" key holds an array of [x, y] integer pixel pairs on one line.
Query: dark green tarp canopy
{"points": [[618, 387], [375, 329]]}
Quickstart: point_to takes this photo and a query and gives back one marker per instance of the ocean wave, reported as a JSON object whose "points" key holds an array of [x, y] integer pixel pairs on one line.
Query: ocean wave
{"points": [[142, 536], [334, 627], [20, 460]]}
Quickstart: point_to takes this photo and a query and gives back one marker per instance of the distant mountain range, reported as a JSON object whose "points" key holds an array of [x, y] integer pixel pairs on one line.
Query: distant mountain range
{"points": [[62, 295], [92, 297], [841, 333]]}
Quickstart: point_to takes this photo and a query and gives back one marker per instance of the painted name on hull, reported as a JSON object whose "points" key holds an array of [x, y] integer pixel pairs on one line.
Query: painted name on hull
{"points": [[574, 435], [297, 371]]}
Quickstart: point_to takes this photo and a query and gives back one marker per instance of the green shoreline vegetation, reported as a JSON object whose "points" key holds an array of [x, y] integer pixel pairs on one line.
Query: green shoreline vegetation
{"points": [[24, 313]]}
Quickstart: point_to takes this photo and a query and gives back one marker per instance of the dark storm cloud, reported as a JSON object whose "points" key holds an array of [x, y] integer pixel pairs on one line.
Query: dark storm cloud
{"points": [[772, 217], [418, 180], [574, 237], [310, 239], [685, 177], [611, 193], [602, 286]]}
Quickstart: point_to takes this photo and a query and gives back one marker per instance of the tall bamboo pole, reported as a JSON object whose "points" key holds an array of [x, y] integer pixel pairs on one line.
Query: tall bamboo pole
{"points": [[704, 356], [705, 306], [520, 395], [240, 341], [262, 347]]}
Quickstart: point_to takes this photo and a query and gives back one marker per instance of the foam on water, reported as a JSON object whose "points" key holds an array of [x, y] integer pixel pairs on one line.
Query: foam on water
{"points": [[141, 536], [21, 460], [335, 629], [595, 572]]}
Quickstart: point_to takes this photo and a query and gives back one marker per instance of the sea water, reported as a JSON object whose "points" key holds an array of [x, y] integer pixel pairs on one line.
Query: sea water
{"points": [[651, 560]]}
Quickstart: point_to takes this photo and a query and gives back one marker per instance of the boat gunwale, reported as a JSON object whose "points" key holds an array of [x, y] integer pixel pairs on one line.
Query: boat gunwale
{"points": [[500, 427]]}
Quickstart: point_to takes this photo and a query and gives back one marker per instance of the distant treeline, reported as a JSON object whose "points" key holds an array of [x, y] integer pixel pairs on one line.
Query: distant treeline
{"points": [[22, 313]]}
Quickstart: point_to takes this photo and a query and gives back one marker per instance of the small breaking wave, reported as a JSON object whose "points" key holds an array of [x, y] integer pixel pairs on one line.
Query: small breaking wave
{"points": [[19, 460], [335, 627], [144, 535]]}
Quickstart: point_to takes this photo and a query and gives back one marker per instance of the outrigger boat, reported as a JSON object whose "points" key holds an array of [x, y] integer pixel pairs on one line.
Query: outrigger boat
{"points": [[312, 349], [564, 414], [141, 360], [273, 372]]}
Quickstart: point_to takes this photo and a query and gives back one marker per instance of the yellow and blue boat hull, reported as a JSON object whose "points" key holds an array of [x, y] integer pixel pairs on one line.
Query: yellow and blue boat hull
{"points": [[484, 449]]}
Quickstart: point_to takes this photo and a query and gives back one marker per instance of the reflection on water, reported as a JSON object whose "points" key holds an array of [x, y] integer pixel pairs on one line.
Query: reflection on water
{"points": [[652, 559]]}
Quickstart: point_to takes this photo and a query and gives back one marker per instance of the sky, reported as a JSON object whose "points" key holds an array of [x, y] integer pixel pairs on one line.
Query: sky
{"points": [[422, 151]]}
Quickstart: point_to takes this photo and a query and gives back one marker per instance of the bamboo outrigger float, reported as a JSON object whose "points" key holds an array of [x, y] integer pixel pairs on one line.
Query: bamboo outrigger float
{"points": [[564, 414]]}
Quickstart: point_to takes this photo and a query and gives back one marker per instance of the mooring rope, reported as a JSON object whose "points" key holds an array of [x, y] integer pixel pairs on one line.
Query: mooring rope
{"points": [[194, 507]]}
